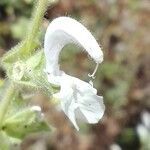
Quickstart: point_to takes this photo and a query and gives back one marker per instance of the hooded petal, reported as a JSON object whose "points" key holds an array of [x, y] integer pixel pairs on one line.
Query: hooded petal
{"points": [[62, 31]]}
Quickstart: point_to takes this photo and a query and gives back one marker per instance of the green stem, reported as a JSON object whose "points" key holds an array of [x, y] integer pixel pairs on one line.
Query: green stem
{"points": [[5, 103], [35, 25]]}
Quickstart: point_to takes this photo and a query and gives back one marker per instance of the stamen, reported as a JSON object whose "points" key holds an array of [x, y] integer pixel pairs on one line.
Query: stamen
{"points": [[91, 83], [93, 74]]}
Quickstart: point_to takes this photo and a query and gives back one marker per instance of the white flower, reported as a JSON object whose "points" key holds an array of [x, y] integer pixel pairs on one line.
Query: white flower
{"points": [[143, 129], [79, 100], [36, 108], [115, 146], [146, 119]]}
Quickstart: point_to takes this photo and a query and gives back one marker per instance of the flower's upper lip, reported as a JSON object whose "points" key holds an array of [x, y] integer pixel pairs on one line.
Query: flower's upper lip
{"points": [[65, 30]]}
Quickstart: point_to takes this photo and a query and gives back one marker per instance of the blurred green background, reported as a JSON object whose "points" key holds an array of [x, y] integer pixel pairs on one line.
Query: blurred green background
{"points": [[121, 27]]}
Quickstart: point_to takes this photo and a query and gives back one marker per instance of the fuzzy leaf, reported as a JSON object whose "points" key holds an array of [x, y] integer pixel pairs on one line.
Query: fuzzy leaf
{"points": [[16, 53], [23, 123], [6, 142], [35, 60]]}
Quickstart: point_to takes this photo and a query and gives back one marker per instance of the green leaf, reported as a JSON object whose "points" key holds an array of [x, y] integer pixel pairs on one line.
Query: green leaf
{"points": [[35, 60], [35, 74], [17, 103], [23, 123], [16, 54], [4, 142]]}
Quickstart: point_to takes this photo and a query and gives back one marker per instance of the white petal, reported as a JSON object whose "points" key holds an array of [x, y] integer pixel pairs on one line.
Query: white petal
{"points": [[146, 119], [84, 87], [69, 107], [72, 117], [67, 103], [65, 30], [89, 107], [36, 108], [143, 132], [66, 98], [81, 86], [92, 108], [115, 147]]}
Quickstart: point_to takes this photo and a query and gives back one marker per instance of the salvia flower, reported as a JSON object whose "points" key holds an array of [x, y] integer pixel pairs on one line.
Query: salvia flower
{"points": [[143, 129], [79, 100]]}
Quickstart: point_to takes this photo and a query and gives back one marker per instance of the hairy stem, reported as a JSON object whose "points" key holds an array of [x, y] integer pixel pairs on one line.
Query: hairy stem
{"points": [[5, 103], [35, 24]]}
